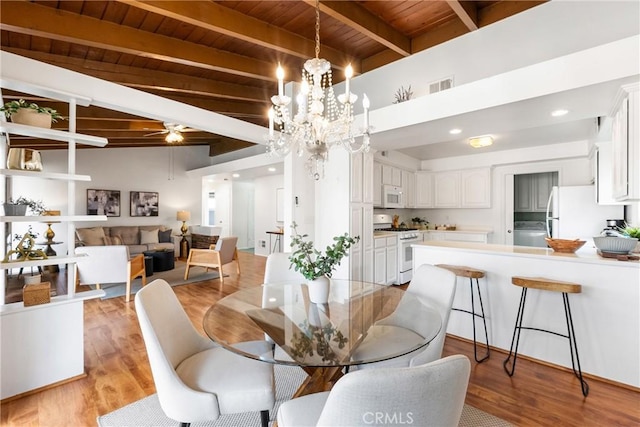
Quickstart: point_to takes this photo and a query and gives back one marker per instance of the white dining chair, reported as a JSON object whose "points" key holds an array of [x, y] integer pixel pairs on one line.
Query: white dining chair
{"points": [[426, 395], [433, 287], [197, 380], [278, 269]]}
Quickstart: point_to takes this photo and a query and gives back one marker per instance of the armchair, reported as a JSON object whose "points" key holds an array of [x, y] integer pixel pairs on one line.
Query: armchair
{"points": [[108, 264], [224, 252]]}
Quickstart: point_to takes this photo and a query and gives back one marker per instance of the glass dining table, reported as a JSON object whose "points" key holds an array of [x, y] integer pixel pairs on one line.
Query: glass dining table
{"points": [[322, 339]]}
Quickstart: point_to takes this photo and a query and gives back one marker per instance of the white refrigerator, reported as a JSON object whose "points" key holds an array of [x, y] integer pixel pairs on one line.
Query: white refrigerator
{"points": [[572, 213]]}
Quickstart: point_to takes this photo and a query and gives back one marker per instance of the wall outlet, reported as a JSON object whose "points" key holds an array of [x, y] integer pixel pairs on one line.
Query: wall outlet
{"points": [[262, 243]]}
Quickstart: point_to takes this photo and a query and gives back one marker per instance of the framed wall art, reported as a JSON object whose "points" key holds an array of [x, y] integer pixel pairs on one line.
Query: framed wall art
{"points": [[144, 203], [103, 202]]}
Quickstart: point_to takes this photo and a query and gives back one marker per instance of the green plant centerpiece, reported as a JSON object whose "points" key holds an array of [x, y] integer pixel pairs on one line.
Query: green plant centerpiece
{"points": [[315, 266], [321, 340], [30, 113]]}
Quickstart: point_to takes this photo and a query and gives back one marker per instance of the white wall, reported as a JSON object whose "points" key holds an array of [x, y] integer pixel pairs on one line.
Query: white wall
{"points": [[265, 211], [123, 169], [243, 213]]}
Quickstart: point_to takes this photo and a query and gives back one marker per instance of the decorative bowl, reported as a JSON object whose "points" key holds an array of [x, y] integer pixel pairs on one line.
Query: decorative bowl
{"points": [[565, 245], [615, 245]]}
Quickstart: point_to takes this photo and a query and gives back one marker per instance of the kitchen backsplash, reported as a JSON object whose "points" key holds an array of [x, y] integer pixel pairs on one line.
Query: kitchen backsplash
{"points": [[462, 218]]}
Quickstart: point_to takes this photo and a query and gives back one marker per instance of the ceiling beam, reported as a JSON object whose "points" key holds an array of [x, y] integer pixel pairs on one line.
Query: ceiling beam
{"points": [[359, 18], [144, 78], [214, 17], [467, 11], [504, 9], [43, 21]]}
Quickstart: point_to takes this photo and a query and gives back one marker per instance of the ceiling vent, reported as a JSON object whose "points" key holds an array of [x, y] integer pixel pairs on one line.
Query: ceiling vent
{"points": [[440, 85]]}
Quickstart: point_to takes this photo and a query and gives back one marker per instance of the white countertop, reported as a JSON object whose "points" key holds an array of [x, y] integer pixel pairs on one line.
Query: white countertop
{"points": [[377, 234], [584, 255]]}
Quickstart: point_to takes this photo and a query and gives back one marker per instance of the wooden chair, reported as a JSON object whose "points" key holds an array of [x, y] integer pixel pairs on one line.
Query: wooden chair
{"points": [[109, 264], [223, 252]]}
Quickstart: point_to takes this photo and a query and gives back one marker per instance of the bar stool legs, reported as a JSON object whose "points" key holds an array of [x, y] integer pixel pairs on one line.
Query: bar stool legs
{"points": [[515, 340], [471, 273], [473, 316]]}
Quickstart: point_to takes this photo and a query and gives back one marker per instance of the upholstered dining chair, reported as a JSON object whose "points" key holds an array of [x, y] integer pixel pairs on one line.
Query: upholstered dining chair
{"points": [[223, 252], [425, 395], [432, 286], [108, 264], [197, 380]]}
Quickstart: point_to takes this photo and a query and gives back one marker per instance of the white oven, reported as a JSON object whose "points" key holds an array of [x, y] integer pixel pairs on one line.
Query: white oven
{"points": [[392, 197], [405, 255]]}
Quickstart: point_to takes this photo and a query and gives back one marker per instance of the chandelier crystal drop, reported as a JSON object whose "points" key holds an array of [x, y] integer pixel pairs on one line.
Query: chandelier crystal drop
{"points": [[322, 120]]}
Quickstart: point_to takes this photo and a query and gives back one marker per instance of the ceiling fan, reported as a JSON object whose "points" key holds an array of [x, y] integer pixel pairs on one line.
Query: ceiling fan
{"points": [[173, 132]]}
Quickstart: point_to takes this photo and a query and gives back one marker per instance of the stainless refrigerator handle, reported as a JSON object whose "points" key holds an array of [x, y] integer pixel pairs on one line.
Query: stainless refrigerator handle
{"points": [[548, 215]]}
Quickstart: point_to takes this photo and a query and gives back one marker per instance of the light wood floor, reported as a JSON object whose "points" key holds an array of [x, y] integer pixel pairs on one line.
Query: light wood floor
{"points": [[118, 373]]}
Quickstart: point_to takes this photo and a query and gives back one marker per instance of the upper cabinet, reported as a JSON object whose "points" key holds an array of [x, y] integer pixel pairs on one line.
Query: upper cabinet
{"points": [[391, 176], [532, 191], [626, 144], [424, 189], [409, 189], [462, 189]]}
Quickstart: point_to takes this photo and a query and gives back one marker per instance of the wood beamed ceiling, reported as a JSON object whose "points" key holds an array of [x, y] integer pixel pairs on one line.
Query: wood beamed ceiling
{"points": [[219, 55]]}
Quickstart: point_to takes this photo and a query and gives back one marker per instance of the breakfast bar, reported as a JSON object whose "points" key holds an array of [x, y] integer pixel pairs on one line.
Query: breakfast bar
{"points": [[606, 314]]}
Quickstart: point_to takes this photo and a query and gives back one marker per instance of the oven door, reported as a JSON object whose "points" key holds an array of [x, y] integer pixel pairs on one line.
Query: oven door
{"points": [[406, 254]]}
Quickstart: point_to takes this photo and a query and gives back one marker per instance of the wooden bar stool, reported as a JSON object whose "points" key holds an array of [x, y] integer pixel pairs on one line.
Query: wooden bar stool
{"points": [[554, 286], [472, 273]]}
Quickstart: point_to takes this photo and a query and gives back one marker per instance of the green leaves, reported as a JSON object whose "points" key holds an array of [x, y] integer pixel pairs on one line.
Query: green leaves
{"points": [[312, 263], [12, 107]]}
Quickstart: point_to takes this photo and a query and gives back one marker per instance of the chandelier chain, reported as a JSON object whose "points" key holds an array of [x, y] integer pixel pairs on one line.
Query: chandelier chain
{"points": [[317, 29]]}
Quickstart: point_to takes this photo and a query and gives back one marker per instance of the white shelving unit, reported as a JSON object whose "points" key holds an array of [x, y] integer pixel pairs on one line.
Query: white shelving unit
{"points": [[56, 328]]}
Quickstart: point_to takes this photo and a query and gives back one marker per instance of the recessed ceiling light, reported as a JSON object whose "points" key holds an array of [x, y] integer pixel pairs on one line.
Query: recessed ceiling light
{"points": [[455, 131], [272, 169], [236, 175], [558, 113], [481, 141]]}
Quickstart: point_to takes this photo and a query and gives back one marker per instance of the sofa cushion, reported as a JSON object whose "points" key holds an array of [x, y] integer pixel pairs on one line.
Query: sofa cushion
{"points": [[115, 240], [130, 235], [138, 249], [149, 237], [164, 236], [91, 236]]}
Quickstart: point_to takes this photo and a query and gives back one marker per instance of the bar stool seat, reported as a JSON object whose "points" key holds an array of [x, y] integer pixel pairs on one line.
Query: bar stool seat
{"points": [[544, 284], [471, 274]]}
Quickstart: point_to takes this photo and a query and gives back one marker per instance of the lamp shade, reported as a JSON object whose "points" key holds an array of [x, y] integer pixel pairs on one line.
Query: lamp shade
{"points": [[183, 216]]}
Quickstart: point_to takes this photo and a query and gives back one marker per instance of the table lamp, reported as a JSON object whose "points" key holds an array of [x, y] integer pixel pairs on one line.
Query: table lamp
{"points": [[183, 216]]}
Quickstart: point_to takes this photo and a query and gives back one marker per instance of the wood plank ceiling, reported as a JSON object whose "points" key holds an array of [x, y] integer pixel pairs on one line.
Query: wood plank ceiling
{"points": [[220, 55]]}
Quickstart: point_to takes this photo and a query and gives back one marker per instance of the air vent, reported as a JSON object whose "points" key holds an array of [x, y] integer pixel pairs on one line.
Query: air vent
{"points": [[441, 85]]}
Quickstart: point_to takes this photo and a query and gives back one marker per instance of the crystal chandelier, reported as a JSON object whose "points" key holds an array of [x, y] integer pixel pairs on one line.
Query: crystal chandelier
{"points": [[321, 121]]}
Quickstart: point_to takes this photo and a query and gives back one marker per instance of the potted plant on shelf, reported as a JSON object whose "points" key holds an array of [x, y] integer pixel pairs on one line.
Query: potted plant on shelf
{"points": [[30, 113], [419, 222], [21, 204], [315, 266]]}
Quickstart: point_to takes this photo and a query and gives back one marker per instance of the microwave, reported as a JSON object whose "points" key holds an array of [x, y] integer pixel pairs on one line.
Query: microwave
{"points": [[392, 197]]}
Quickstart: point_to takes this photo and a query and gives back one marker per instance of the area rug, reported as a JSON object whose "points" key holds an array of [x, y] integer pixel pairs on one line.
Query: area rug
{"points": [[174, 277], [147, 411]]}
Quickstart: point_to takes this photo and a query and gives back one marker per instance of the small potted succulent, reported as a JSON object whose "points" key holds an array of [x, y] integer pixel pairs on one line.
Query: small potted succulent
{"points": [[633, 232], [315, 266], [21, 204], [32, 114]]}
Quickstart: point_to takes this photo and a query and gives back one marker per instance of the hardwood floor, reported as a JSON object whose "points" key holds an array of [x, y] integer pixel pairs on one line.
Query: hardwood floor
{"points": [[118, 373]]}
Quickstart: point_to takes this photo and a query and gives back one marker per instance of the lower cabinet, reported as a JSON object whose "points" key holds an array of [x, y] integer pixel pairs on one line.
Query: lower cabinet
{"points": [[385, 260]]}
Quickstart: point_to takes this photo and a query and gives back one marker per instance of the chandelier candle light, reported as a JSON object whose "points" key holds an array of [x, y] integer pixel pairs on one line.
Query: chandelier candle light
{"points": [[320, 123]]}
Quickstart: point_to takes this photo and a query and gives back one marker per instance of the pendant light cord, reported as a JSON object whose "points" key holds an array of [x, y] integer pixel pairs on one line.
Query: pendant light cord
{"points": [[317, 29]]}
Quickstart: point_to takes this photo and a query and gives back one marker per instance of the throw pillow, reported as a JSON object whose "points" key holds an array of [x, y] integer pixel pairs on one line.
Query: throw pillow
{"points": [[164, 236], [148, 237], [91, 236], [112, 241]]}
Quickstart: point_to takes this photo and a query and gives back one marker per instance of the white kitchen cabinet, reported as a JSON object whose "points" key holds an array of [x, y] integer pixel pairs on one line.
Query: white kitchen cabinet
{"points": [[357, 178], [457, 236], [603, 174], [367, 178], [361, 224], [391, 175], [475, 188], [522, 197], [385, 255], [409, 189], [626, 144], [377, 184], [424, 190], [446, 189]]}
